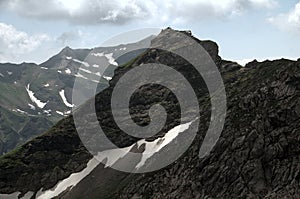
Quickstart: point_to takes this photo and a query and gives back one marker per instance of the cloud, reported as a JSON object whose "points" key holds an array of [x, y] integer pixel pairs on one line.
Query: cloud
{"points": [[123, 11], [67, 37], [288, 21], [187, 10], [80, 11], [14, 42], [11, 38]]}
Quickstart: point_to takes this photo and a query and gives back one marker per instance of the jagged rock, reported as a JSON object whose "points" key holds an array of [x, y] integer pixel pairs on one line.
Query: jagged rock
{"points": [[231, 67]]}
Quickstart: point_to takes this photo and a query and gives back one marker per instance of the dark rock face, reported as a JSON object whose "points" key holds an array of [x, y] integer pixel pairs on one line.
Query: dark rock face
{"points": [[43, 161], [257, 155]]}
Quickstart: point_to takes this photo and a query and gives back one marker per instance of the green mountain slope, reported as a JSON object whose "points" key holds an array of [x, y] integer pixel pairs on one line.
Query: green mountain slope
{"points": [[46, 82]]}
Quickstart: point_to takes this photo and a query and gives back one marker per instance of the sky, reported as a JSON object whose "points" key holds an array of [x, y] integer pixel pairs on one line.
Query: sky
{"points": [[35, 30]]}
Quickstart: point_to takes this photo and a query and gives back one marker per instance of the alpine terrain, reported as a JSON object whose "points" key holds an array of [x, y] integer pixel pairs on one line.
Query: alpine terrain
{"points": [[34, 97], [256, 156]]}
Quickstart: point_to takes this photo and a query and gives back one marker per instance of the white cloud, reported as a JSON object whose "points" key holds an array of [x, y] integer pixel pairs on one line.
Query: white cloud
{"points": [[69, 36], [18, 46], [264, 3], [14, 39], [80, 11], [14, 42], [288, 21], [122, 11], [197, 10]]}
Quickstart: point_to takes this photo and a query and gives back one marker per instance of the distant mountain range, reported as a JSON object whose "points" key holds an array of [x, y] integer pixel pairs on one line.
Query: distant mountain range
{"points": [[34, 97], [256, 156]]}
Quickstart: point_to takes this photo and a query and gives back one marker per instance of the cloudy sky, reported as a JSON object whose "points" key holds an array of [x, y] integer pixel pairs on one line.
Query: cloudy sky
{"points": [[34, 30]]}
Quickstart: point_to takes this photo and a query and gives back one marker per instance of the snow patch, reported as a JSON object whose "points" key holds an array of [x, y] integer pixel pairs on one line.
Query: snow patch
{"points": [[153, 147], [32, 107], [63, 97], [68, 71], [47, 111], [98, 54], [71, 181], [111, 60], [46, 85], [59, 71], [81, 62], [35, 100], [95, 65], [44, 68], [9, 73], [68, 58], [112, 156], [1, 75], [107, 78], [108, 56], [80, 75], [21, 111], [67, 112], [60, 113], [86, 71]]}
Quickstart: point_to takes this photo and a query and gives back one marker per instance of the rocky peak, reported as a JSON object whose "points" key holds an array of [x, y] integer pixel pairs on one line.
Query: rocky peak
{"points": [[169, 38], [67, 51]]}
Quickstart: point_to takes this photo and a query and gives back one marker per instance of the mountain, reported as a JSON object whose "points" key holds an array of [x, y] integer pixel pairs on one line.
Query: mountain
{"points": [[256, 156], [34, 97]]}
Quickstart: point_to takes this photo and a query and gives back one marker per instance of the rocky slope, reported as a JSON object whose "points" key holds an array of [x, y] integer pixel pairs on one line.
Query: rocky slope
{"points": [[257, 155], [34, 97]]}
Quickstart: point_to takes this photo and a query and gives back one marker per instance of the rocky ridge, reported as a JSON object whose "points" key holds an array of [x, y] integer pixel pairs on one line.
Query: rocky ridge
{"points": [[257, 155]]}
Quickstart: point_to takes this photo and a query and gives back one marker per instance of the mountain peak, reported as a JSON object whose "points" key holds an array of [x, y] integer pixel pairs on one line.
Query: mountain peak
{"points": [[169, 29], [169, 38], [66, 49]]}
